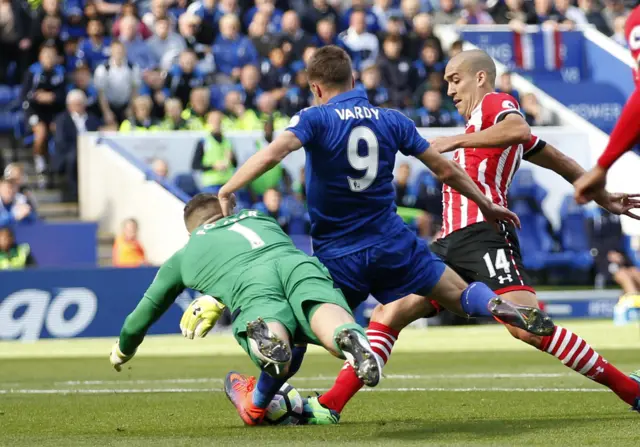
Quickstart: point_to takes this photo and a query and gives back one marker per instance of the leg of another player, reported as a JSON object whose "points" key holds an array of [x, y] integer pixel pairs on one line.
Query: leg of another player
{"points": [[577, 354], [343, 337]]}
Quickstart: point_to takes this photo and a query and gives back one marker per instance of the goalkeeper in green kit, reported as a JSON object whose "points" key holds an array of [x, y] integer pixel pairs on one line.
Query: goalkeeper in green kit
{"points": [[278, 297]]}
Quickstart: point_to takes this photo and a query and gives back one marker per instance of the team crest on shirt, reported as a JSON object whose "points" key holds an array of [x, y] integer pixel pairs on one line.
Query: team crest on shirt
{"points": [[634, 38], [294, 121], [508, 105]]}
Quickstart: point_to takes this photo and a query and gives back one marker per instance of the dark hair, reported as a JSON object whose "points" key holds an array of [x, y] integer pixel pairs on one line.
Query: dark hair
{"points": [[48, 45], [200, 208], [331, 66], [393, 39]]}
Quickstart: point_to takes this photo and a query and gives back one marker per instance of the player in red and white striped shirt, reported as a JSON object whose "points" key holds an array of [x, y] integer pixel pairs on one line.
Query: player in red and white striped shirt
{"points": [[496, 139]]}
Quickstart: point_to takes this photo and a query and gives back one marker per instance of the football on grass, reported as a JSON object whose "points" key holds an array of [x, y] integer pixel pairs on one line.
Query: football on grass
{"points": [[285, 408]]}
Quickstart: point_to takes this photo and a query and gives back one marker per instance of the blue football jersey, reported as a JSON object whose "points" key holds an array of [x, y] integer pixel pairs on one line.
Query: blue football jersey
{"points": [[351, 151]]}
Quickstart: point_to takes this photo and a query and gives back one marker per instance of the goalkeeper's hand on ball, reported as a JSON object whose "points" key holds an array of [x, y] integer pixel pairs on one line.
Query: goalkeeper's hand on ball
{"points": [[200, 317], [118, 358]]}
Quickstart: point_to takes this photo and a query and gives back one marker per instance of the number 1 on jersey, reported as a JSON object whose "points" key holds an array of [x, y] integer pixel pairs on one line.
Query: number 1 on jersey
{"points": [[368, 163], [247, 233]]}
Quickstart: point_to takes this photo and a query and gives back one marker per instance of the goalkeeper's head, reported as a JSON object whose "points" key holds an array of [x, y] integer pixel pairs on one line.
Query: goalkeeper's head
{"points": [[203, 208]]}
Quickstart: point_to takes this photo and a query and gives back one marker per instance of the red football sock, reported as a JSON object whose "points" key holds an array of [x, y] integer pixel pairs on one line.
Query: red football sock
{"points": [[347, 384], [626, 132], [575, 353]]}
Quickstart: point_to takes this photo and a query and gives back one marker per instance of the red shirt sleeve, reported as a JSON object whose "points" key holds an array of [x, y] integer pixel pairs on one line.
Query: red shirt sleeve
{"points": [[533, 146], [496, 106]]}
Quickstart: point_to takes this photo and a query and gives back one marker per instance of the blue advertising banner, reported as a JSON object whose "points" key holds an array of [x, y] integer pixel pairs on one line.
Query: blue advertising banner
{"points": [[69, 244], [77, 303], [542, 54]]}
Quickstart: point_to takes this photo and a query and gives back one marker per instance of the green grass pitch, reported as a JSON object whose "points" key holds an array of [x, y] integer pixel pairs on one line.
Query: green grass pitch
{"points": [[444, 386]]}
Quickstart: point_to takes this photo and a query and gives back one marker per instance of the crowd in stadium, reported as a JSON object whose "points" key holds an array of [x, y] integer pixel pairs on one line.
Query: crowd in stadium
{"points": [[222, 65]]}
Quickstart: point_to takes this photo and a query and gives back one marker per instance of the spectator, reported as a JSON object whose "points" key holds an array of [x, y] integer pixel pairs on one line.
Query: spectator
{"points": [[422, 32], [160, 168], [236, 116], [325, 33], [473, 14], [172, 116], [184, 77], [42, 97], [318, 10], [206, 10], [249, 86], [276, 76], [272, 206], [371, 19], [377, 94], [607, 248], [153, 86], [262, 40], [430, 60], [227, 7], [15, 172], [127, 249], [410, 9], [95, 49], [48, 33], [69, 124], [141, 120], [398, 75], [71, 60], [81, 80], [431, 114], [199, 104], [14, 256], [594, 16], [505, 85], [515, 12], [273, 177], [13, 37], [159, 10], [384, 10], [267, 111], [198, 36], [546, 13], [131, 10], [295, 38], [455, 48], [213, 156], [106, 8], [267, 7], [572, 13], [299, 96], [535, 114], [166, 45], [138, 53], [618, 31], [14, 207], [117, 82], [232, 50], [612, 10], [448, 14], [401, 184], [362, 46]]}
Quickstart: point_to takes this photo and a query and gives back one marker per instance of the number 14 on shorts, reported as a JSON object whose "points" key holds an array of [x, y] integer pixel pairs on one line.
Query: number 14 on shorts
{"points": [[499, 263]]}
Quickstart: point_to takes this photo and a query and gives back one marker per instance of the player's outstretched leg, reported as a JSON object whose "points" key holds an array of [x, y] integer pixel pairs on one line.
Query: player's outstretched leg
{"points": [[577, 354], [269, 348]]}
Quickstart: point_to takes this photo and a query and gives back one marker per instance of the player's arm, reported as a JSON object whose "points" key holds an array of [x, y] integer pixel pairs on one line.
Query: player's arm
{"points": [[551, 158], [162, 292], [258, 164], [513, 129], [452, 174]]}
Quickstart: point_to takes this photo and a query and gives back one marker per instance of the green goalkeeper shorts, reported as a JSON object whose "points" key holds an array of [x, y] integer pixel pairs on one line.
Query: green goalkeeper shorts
{"points": [[285, 290]]}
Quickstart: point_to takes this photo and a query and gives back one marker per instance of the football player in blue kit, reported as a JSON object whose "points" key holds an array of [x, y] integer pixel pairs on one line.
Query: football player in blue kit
{"points": [[350, 150]]}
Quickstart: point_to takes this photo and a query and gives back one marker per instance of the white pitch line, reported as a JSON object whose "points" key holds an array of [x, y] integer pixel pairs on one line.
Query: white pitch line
{"points": [[321, 378], [372, 390]]}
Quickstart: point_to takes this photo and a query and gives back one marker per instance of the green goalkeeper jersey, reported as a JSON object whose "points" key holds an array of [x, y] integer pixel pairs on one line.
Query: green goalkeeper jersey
{"points": [[216, 255]]}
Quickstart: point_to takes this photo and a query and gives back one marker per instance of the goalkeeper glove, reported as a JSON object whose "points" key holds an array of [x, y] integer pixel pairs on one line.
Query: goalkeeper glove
{"points": [[200, 317], [117, 358]]}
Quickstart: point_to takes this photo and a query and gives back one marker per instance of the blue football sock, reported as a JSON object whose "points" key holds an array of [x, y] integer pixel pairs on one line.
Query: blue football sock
{"points": [[266, 388], [475, 299], [297, 355]]}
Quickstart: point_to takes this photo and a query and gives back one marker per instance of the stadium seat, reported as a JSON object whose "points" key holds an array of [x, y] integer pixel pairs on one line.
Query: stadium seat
{"points": [[573, 233], [524, 189], [8, 94], [186, 183]]}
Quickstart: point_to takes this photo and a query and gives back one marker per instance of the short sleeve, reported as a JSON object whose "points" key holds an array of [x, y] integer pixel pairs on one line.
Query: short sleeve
{"points": [[99, 77], [411, 142], [303, 124], [534, 146], [496, 107]]}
